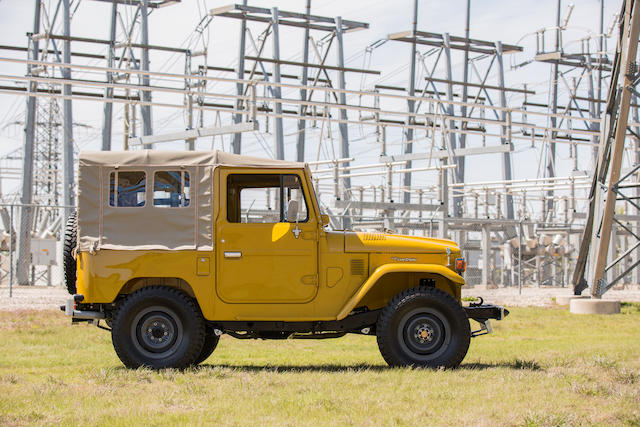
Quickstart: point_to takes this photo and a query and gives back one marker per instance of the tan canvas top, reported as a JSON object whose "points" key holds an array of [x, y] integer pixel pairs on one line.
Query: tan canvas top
{"points": [[143, 225], [177, 158]]}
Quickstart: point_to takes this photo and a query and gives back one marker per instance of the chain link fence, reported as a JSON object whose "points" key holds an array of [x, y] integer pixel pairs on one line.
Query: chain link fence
{"points": [[31, 244]]}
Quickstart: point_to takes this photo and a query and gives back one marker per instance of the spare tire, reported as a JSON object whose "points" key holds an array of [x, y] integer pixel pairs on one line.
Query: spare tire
{"points": [[70, 241]]}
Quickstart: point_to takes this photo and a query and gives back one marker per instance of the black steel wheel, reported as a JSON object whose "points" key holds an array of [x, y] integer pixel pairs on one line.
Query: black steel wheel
{"points": [[158, 327], [210, 344], [423, 327], [69, 261]]}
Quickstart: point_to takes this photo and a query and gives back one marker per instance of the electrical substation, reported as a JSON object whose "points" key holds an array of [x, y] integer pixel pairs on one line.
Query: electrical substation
{"points": [[525, 152]]}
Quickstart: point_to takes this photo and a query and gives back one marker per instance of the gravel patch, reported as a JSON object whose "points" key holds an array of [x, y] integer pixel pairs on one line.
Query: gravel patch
{"points": [[539, 297], [52, 297], [33, 297]]}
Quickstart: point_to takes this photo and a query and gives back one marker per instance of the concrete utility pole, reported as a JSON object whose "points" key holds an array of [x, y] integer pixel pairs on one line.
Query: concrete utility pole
{"points": [[145, 110], [23, 260], [462, 140], [107, 121], [342, 127], [237, 118], [67, 145], [411, 104], [451, 124], [277, 90], [189, 143], [551, 161], [300, 146]]}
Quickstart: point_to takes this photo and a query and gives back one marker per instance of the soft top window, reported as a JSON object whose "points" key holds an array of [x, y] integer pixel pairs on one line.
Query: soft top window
{"points": [[171, 189], [127, 189]]}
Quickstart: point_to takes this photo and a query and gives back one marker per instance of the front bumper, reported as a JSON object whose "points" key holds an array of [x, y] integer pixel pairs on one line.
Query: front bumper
{"points": [[483, 313], [486, 311]]}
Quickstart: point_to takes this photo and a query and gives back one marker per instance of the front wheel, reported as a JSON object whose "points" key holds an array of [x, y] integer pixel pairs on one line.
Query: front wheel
{"points": [[210, 344], [158, 327], [423, 327]]}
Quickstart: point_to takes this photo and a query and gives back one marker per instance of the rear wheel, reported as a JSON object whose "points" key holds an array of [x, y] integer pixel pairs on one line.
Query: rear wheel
{"points": [[158, 327], [423, 327]]}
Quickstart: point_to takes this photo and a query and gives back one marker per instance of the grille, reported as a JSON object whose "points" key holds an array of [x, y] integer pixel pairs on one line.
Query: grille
{"points": [[357, 267]]}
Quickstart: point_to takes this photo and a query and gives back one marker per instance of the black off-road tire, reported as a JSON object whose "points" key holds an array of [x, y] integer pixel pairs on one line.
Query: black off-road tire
{"points": [[158, 327], [210, 344], [423, 327], [69, 261]]}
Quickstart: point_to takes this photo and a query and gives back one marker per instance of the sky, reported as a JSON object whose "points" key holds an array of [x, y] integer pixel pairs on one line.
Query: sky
{"points": [[512, 22]]}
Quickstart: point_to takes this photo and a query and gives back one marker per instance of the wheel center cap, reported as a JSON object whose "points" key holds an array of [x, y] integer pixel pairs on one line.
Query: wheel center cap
{"points": [[424, 334]]}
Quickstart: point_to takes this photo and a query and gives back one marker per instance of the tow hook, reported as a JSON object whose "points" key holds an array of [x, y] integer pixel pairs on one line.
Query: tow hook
{"points": [[477, 304], [482, 313], [485, 328]]}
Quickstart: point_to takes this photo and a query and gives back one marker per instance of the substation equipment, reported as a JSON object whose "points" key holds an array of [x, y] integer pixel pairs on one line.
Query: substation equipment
{"points": [[385, 156]]}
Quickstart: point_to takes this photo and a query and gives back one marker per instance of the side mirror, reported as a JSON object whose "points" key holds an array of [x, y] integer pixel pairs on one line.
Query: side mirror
{"points": [[292, 211], [325, 219]]}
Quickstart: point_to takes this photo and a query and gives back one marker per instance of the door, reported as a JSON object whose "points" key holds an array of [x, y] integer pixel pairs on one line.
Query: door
{"points": [[266, 251]]}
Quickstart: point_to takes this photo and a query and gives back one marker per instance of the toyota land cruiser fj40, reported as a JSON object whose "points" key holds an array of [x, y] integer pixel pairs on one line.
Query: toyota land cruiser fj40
{"points": [[173, 249]]}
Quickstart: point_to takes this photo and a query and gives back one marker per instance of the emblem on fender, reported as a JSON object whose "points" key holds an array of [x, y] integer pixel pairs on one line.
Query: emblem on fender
{"points": [[397, 259]]}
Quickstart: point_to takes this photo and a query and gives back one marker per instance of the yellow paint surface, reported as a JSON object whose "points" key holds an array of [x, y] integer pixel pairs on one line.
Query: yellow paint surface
{"points": [[282, 271]]}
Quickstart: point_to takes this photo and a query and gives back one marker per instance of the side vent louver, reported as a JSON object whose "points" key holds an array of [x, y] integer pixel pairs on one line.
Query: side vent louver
{"points": [[373, 236], [357, 267]]}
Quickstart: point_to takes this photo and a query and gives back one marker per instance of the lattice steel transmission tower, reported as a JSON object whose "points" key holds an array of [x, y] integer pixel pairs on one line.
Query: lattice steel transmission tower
{"points": [[42, 145], [612, 186], [48, 150]]}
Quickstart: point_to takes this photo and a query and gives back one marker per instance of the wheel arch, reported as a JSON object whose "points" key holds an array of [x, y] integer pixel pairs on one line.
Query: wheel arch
{"points": [[390, 279], [137, 283]]}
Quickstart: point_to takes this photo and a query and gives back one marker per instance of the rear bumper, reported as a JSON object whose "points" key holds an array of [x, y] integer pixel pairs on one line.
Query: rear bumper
{"points": [[486, 311], [69, 310]]}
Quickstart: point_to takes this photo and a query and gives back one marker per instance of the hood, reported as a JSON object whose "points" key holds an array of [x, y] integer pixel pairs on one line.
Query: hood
{"points": [[395, 243]]}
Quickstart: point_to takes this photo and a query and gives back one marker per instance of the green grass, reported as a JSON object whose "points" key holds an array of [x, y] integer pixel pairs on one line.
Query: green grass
{"points": [[541, 367]]}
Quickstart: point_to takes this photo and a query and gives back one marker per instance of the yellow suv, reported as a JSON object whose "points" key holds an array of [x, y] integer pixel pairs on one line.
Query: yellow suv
{"points": [[174, 249]]}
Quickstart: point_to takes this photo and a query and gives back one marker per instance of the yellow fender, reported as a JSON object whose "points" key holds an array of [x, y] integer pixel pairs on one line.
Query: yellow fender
{"points": [[397, 268]]}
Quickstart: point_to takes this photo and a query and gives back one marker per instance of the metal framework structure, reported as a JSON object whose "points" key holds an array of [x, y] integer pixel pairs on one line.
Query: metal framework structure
{"points": [[444, 44], [609, 187], [42, 154], [422, 133]]}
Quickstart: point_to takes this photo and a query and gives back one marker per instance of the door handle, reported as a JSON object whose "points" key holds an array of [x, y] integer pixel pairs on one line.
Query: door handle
{"points": [[237, 254]]}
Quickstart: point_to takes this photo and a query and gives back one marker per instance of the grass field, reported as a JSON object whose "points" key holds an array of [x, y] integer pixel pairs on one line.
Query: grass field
{"points": [[540, 367]]}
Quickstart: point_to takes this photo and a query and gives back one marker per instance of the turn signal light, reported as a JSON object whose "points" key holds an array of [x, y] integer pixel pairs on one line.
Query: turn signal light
{"points": [[461, 265]]}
